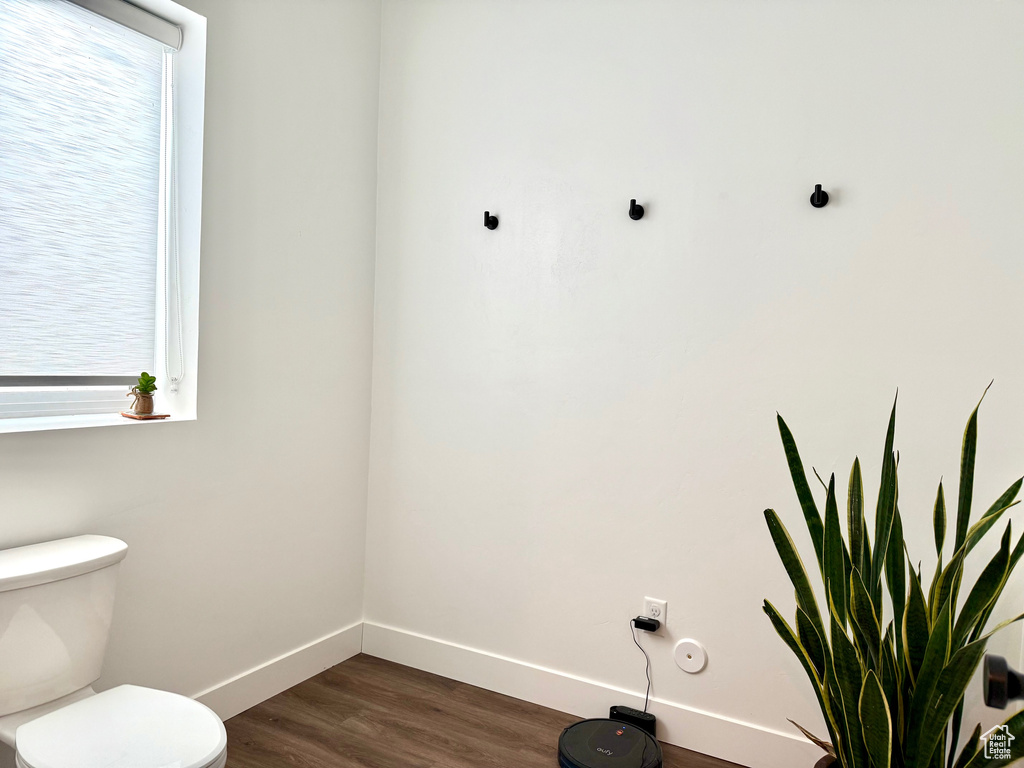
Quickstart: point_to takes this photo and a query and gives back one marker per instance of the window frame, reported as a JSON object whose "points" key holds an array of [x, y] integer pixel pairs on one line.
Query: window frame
{"points": [[189, 112]]}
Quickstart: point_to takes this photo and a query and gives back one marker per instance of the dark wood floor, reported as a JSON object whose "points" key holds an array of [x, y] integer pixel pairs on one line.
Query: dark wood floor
{"points": [[370, 713]]}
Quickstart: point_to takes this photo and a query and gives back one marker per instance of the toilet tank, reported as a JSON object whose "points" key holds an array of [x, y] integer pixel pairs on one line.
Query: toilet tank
{"points": [[56, 603]]}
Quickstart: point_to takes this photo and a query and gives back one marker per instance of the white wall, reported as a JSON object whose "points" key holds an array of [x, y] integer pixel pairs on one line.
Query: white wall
{"points": [[246, 527], [577, 410]]}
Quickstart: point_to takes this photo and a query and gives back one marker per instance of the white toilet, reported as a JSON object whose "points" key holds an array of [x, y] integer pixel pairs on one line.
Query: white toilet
{"points": [[56, 602]]}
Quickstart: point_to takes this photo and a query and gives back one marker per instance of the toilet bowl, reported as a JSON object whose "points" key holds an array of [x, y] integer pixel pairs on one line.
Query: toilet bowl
{"points": [[56, 602]]}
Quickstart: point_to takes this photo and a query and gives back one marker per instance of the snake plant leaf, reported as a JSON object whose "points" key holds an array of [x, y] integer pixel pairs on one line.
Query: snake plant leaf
{"points": [[1001, 625], [811, 641], [1015, 556], [936, 581], [875, 721], [976, 531], [970, 748], [864, 616], [837, 713], [1015, 725], [891, 680], [945, 586], [814, 739], [954, 734], [855, 516], [939, 520], [991, 516], [817, 683], [968, 453], [803, 492], [936, 656], [885, 504], [896, 575], [916, 627], [849, 677], [888, 497], [984, 592], [833, 567], [795, 568], [949, 690], [793, 641]]}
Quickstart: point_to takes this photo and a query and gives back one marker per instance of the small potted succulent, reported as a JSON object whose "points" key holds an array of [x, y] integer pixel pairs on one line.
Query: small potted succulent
{"points": [[143, 393]]}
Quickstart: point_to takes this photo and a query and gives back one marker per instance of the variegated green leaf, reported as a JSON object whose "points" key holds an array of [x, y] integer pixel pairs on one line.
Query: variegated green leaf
{"points": [[946, 584], [991, 516], [939, 520], [896, 576], [864, 615], [876, 722], [984, 592], [892, 678], [849, 677], [968, 453], [948, 691], [803, 492], [794, 567], [936, 656], [954, 733], [833, 570], [970, 748], [916, 627], [811, 641], [818, 684], [884, 509], [855, 516]]}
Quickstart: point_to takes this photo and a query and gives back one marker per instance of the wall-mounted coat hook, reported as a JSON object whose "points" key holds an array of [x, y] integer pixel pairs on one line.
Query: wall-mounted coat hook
{"points": [[820, 197], [491, 222], [636, 212]]}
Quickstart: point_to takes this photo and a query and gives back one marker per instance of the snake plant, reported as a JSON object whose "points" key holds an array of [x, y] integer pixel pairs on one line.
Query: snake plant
{"points": [[890, 665]]}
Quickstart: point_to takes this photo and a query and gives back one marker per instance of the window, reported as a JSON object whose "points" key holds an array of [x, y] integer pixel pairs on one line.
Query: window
{"points": [[92, 260]]}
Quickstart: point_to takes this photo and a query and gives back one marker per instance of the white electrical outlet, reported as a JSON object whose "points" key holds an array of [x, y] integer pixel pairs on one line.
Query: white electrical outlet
{"points": [[656, 609]]}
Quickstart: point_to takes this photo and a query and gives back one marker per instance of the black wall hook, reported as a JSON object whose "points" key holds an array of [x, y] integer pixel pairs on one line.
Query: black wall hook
{"points": [[820, 197], [491, 222], [636, 212]]}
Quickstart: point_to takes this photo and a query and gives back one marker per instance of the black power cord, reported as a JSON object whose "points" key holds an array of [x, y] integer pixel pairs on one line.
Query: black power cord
{"points": [[648, 625], [632, 632]]}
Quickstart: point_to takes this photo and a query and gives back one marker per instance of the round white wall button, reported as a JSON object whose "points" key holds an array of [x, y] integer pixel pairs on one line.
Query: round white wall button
{"points": [[690, 655]]}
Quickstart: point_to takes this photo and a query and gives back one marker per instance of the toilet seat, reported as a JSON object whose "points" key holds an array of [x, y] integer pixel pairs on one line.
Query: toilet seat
{"points": [[125, 727]]}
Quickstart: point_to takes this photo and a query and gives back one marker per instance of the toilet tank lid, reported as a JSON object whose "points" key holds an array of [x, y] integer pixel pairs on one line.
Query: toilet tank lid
{"points": [[55, 560]]}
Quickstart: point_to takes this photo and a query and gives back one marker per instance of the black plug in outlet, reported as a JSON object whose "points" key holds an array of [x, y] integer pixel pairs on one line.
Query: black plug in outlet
{"points": [[646, 624]]}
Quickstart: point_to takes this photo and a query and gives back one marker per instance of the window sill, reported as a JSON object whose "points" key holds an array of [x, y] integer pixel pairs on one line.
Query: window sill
{"points": [[45, 423]]}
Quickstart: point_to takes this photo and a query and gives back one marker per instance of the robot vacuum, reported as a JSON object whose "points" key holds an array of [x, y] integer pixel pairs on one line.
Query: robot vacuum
{"points": [[605, 743]]}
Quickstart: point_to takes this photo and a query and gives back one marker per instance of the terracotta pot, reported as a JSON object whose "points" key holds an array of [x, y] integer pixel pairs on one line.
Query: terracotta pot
{"points": [[143, 401], [826, 762]]}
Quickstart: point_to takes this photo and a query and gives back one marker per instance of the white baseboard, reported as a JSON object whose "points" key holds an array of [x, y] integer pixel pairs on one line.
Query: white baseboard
{"points": [[258, 684], [706, 732]]}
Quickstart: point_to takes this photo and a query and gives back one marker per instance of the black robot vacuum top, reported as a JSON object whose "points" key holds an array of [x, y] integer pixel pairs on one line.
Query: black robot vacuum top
{"points": [[605, 743]]}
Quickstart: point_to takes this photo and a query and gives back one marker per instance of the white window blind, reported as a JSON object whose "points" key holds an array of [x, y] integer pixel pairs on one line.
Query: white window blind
{"points": [[81, 101]]}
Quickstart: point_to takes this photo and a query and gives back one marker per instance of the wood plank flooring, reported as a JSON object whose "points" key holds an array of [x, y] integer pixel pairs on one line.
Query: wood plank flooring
{"points": [[370, 713]]}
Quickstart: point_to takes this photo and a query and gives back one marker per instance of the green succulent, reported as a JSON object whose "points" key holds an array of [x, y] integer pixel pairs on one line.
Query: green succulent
{"points": [[146, 385], [892, 692]]}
